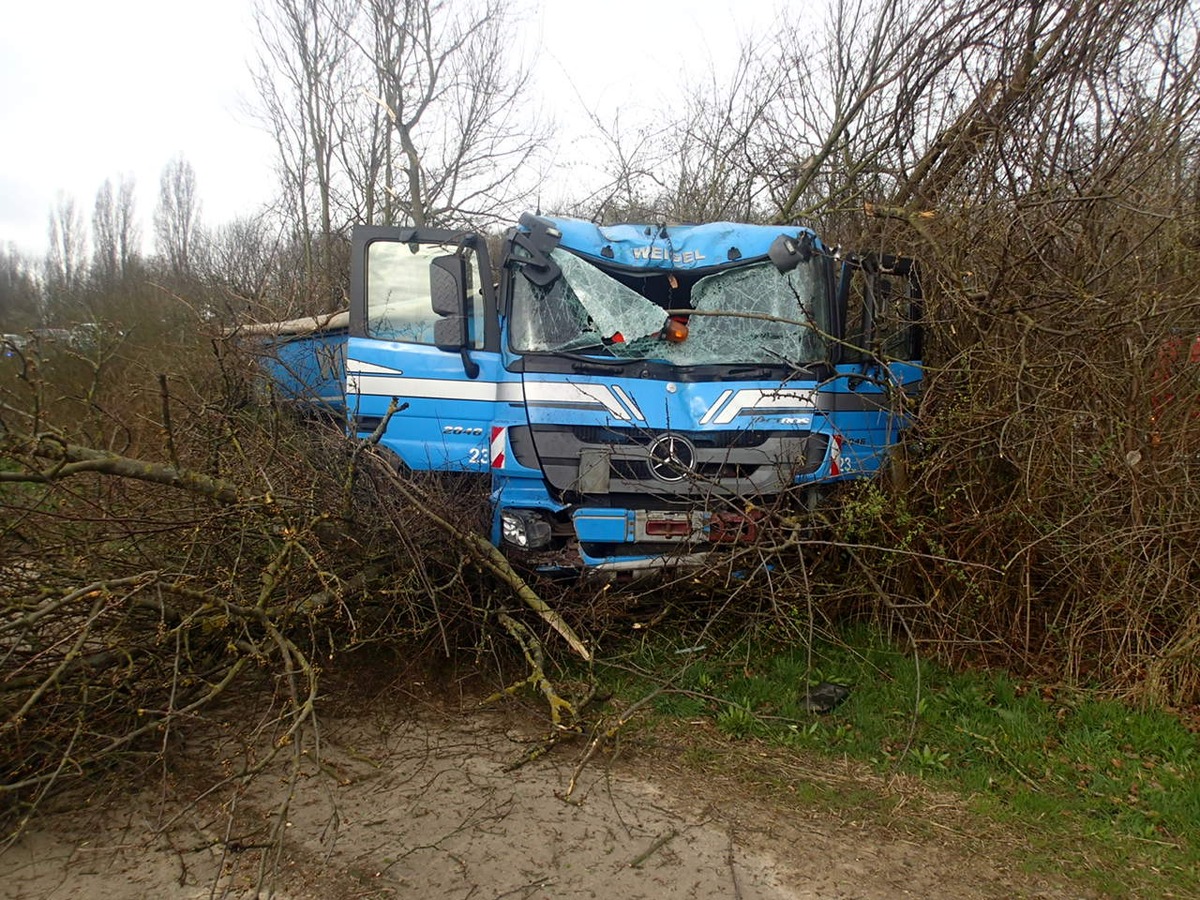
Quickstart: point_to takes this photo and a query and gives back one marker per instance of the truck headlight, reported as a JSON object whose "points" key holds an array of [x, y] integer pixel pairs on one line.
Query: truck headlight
{"points": [[524, 528]]}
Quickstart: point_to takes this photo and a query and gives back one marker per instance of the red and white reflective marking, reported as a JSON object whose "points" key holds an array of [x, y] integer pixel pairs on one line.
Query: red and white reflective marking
{"points": [[835, 456], [499, 446]]}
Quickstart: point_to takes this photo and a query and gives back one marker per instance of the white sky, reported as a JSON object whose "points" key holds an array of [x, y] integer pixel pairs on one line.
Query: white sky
{"points": [[92, 90]]}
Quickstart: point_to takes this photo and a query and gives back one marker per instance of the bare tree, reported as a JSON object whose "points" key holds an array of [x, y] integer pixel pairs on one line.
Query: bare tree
{"points": [[105, 258], [127, 232], [20, 296], [912, 101], [861, 93], [115, 232], [177, 217], [250, 262], [398, 111], [66, 258], [460, 113], [302, 80], [698, 161]]}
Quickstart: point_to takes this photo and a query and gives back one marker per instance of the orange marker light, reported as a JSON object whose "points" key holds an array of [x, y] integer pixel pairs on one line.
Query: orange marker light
{"points": [[677, 330]]}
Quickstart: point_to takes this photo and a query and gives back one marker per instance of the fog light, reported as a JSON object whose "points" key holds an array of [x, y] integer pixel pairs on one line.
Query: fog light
{"points": [[524, 528]]}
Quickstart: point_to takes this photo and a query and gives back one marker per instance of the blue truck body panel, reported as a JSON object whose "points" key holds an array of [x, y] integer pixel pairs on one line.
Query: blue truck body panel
{"points": [[305, 360]]}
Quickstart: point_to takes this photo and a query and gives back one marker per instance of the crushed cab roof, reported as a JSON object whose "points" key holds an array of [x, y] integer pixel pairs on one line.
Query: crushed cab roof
{"points": [[671, 246]]}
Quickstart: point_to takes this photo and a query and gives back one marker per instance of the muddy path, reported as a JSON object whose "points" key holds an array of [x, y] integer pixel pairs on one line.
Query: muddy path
{"points": [[416, 800]]}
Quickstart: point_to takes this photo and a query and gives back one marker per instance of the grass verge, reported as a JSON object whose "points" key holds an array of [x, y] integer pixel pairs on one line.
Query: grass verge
{"points": [[1103, 793]]}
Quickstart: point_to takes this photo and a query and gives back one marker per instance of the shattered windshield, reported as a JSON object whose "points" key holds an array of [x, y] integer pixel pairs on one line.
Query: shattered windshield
{"points": [[750, 314]]}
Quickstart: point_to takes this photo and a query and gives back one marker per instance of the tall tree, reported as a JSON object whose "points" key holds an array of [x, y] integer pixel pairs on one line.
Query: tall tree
{"points": [[244, 258], [303, 84], [106, 261], [20, 296], [699, 162], [67, 256], [398, 111], [463, 123], [115, 232], [177, 216], [126, 230]]}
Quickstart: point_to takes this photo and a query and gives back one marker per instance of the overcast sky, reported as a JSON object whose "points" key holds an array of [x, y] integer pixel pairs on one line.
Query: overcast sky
{"points": [[95, 90]]}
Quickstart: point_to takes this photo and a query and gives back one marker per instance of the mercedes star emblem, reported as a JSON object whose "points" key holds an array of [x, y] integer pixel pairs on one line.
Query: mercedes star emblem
{"points": [[671, 457]]}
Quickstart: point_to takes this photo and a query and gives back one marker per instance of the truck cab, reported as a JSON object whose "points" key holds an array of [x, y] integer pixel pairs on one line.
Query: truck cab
{"points": [[635, 395]]}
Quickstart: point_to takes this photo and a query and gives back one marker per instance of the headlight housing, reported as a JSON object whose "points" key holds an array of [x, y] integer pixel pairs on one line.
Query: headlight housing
{"points": [[524, 528]]}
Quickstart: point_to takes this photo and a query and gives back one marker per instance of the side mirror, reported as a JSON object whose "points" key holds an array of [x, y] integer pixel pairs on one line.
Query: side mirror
{"points": [[448, 285], [788, 252], [532, 249], [448, 297], [450, 333]]}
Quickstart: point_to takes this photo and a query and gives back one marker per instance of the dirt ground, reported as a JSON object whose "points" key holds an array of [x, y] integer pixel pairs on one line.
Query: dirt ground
{"points": [[412, 799]]}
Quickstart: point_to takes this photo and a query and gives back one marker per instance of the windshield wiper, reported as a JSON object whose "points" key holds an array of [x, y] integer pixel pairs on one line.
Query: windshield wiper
{"points": [[598, 367], [765, 370], [585, 365]]}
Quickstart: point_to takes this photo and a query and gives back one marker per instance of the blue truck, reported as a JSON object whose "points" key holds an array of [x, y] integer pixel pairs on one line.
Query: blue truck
{"points": [[635, 395]]}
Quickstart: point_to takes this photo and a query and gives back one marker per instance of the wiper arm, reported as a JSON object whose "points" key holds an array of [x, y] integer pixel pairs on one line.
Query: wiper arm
{"points": [[595, 366], [762, 371]]}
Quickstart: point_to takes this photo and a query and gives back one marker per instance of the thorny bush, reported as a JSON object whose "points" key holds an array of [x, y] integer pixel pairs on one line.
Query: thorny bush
{"points": [[1045, 512]]}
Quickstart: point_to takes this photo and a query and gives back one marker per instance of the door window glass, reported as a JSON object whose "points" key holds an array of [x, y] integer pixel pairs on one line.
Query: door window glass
{"points": [[399, 307]]}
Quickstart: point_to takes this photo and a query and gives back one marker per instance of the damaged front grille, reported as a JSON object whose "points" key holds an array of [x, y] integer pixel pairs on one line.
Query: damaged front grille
{"points": [[600, 435], [600, 460]]}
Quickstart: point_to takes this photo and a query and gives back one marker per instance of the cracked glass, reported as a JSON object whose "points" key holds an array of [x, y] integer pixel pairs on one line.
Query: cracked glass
{"points": [[752, 314], [583, 308]]}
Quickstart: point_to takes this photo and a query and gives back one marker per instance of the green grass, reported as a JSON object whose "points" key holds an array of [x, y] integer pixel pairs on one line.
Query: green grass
{"points": [[1081, 778]]}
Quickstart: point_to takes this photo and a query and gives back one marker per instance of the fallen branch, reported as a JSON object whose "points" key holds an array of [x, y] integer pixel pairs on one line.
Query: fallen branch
{"points": [[662, 841], [531, 647], [484, 553], [73, 459]]}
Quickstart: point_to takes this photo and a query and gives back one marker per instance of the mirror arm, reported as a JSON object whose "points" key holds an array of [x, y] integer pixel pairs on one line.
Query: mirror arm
{"points": [[469, 365]]}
